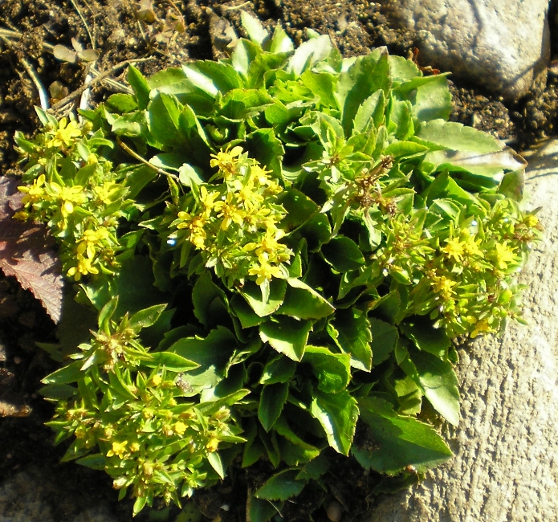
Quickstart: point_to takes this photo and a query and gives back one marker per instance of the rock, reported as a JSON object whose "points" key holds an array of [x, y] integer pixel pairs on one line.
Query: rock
{"points": [[506, 446], [501, 45]]}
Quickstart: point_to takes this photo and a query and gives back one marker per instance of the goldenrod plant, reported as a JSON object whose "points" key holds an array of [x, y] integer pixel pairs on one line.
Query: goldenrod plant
{"points": [[278, 247]]}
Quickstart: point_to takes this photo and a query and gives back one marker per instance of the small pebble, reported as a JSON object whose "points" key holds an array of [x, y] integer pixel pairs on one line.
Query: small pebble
{"points": [[334, 511]]}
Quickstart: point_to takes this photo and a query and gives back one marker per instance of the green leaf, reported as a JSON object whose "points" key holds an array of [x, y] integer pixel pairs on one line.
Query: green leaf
{"points": [[216, 463], [253, 295], [286, 335], [66, 375], [240, 104], [332, 370], [299, 208], [146, 317], [433, 99], [280, 42], [384, 339], [405, 149], [139, 85], [162, 117], [272, 401], [370, 113], [212, 77], [396, 441], [122, 102], [343, 254], [402, 70], [367, 75], [426, 337], [338, 414], [322, 85], [260, 510], [256, 31], [170, 361], [211, 353], [353, 336], [455, 136], [303, 302], [281, 486], [437, 380], [189, 175], [278, 369], [204, 294], [308, 54]]}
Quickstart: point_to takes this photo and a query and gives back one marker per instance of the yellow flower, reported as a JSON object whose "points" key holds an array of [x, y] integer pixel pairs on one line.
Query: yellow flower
{"points": [[90, 240], [156, 380], [225, 160], [208, 200], [502, 255], [212, 445], [443, 286], [135, 446], [531, 220], [229, 212], [118, 449], [83, 267], [180, 428], [481, 326], [35, 192], [454, 248], [471, 247], [248, 197], [65, 134], [264, 271], [107, 192]]}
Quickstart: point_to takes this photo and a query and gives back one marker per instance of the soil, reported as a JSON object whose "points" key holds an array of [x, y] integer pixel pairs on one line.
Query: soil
{"points": [[156, 35]]}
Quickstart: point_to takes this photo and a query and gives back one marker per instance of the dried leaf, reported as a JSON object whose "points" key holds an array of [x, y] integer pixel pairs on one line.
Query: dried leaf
{"points": [[27, 253]]}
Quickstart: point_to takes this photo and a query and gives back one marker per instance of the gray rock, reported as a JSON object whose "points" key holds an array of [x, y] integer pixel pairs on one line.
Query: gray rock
{"points": [[506, 446], [502, 45]]}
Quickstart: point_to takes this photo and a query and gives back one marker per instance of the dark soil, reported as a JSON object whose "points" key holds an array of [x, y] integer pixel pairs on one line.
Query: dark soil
{"points": [[159, 34]]}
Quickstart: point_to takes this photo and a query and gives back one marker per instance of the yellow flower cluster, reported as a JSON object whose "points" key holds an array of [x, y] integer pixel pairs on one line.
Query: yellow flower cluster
{"points": [[235, 224]]}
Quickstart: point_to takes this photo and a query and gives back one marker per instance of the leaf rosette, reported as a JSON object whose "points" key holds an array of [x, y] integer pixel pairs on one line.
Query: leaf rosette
{"points": [[318, 233]]}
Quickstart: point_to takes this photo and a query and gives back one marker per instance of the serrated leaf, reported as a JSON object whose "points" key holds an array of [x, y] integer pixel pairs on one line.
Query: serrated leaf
{"points": [[433, 99], [384, 339], [455, 136], [281, 486], [338, 414], [308, 54], [27, 252], [303, 302], [253, 295], [211, 353], [286, 335], [332, 370], [343, 254], [354, 336], [437, 380], [280, 42], [278, 369], [162, 117], [272, 400], [366, 75], [426, 337], [397, 441], [256, 31], [204, 294]]}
